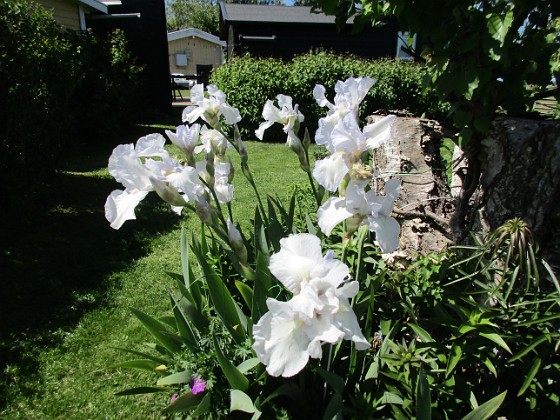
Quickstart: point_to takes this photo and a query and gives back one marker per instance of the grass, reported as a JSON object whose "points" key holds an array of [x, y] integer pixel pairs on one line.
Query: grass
{"points": [[69, 280], [182, 94]]}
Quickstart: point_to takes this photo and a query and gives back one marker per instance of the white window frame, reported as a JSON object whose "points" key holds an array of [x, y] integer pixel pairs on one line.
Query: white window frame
{"points": [[402, 40], [181, 59]]}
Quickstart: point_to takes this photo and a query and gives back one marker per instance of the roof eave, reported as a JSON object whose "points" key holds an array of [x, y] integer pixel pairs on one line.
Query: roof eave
{"points": [[95, 5], [193, 32], [223, 10]]}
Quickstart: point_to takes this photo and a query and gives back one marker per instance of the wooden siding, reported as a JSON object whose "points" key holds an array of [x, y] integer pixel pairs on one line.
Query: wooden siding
{"points": [[65, 12], [199, 51]]}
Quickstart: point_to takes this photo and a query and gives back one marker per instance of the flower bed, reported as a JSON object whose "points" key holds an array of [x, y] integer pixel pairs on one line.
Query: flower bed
{"points": [[300, 318]]}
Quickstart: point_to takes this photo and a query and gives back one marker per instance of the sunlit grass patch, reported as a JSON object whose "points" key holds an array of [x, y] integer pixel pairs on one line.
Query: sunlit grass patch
{"points": [[69, 281]]}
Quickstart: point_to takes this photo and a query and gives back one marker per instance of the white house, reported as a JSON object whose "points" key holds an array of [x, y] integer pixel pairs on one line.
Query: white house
{"points": [[71, 14], [192, 51]]}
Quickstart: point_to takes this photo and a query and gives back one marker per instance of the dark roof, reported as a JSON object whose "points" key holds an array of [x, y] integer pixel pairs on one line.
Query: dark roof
{"points": [[272, 14]]}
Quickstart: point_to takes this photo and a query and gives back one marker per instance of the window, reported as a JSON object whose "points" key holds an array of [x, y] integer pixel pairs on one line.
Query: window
{"points": [[181, 59], [402, 41]]}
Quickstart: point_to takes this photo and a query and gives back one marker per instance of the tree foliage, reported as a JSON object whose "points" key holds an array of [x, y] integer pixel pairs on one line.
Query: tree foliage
{"points": [[204, 14], [484, 56], [199, 14]]}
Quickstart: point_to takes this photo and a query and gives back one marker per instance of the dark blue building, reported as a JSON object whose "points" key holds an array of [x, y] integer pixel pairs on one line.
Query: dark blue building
{"points": [[284, 31]]}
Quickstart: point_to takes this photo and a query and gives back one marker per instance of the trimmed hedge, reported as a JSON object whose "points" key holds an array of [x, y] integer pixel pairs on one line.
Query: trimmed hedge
{"points": [[248, 82]]}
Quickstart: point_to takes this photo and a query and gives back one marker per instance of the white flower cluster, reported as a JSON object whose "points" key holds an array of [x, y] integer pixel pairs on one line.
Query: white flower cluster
{"points": [[343, 170], [319, 312], [147, 166]]}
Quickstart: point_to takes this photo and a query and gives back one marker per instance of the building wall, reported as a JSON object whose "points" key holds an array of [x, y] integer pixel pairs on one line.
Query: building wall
{"points": [[199, 51], [65, 12], [293, 39], [147, 42]]}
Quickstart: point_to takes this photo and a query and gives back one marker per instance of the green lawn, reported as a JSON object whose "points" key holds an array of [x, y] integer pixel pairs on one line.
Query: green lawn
{"points": [[184, 93], [68, 281]]}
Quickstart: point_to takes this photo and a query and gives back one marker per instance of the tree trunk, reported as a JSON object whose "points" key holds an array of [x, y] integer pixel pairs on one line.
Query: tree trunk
{"points": [[521, 178], [425, 204]]}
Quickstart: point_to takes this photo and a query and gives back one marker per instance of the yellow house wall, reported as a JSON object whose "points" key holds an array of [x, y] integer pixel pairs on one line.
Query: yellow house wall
{"points": [[201, 52], [65, 12]]}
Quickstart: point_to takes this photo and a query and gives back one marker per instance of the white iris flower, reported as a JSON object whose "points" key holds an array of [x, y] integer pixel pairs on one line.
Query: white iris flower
{"points": [[347, 100], [287, 115], [126, 166], [348, 96], [148, 167], [369, 208], [319, 312], [210, 109], [222, 187], [214, 142], [346, 143], [186, 138]]}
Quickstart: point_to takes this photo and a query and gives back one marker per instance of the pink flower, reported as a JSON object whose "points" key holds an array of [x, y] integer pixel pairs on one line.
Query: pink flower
{"points": [[174, 397], [197, 385]]}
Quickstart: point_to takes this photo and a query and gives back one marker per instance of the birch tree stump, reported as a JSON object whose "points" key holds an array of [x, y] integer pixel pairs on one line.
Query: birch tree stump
{"points": [[520, 177], [425, 204]]}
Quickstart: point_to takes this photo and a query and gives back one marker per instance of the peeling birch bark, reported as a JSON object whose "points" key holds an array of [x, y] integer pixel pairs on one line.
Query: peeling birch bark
{"points": [[520, 177], [425, 204]]}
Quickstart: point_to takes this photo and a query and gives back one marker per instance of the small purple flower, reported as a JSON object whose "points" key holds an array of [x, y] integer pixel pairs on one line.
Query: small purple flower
{"points": [[197, 384], [174, 397]]}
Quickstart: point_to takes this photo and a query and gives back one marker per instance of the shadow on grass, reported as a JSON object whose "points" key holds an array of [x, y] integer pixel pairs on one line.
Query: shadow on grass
{"points": [[58, 251]]}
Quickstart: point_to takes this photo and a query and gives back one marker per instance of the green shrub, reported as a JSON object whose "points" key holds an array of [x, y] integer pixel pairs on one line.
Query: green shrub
{"points": [[473, 323], [37, 80], [248, 82], [106, 97], [56, 88]]}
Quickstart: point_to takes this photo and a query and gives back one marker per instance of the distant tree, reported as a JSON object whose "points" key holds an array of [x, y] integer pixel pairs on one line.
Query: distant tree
{"points": [[199, 14], [205, 14]]}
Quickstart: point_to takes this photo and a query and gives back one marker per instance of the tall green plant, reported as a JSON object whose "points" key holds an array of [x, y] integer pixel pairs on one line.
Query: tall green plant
{"points": [[269, 324], [248, 289]]}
